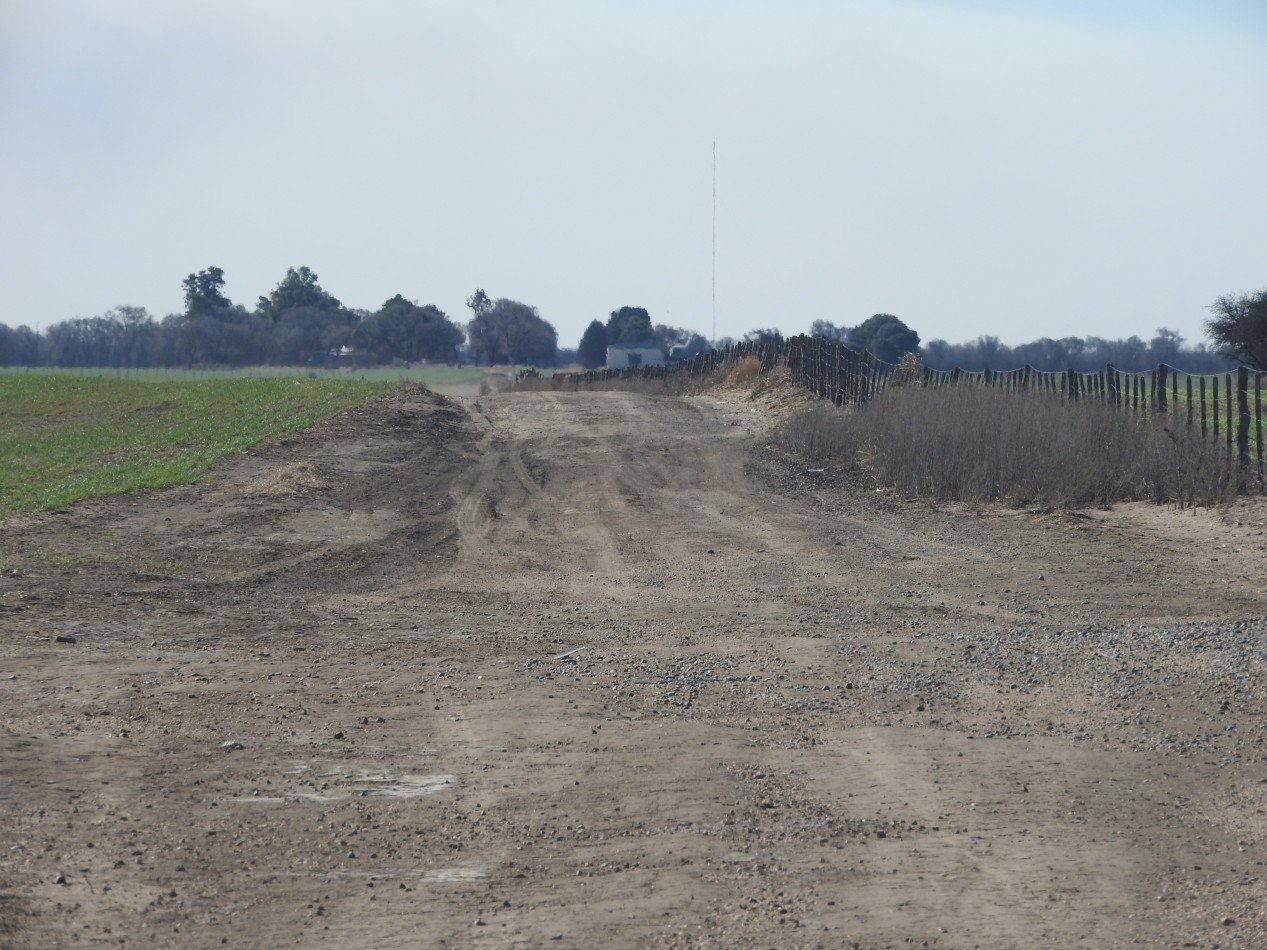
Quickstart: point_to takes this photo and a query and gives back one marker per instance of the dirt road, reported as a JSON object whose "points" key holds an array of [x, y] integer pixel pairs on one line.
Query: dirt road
{"points": [[586, 670]]}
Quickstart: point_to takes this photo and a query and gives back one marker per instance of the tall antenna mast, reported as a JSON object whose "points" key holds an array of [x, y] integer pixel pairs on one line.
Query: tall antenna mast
{"points": [[714, 242]]}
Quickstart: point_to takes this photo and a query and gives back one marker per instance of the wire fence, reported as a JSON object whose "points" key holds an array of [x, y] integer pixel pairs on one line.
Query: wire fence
{"points": [[1226, 407]]}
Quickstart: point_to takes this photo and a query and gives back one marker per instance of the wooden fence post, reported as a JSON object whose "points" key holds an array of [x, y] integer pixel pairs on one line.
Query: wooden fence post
{"points": [[1228, 424], [1159, 387], [1242, 428], [1258, 420], [1214, 405]]}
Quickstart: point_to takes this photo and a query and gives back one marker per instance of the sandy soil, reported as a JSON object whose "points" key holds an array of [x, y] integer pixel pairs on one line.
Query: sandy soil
{"points": [[610, 670]]}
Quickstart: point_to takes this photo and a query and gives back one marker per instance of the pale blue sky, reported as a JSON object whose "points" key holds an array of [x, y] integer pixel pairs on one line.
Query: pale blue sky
{"points": [[975, 167]]}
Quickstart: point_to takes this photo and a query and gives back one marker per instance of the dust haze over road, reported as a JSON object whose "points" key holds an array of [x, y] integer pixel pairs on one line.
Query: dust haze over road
{"points": [[605, 669]]}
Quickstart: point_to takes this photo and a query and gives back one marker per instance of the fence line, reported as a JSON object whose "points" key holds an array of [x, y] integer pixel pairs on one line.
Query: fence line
{"points": [[1228, 406]]}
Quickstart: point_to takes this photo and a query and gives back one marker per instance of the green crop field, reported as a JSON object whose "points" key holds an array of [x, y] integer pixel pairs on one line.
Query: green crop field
{"points": [[429, 376], [67, 438]]}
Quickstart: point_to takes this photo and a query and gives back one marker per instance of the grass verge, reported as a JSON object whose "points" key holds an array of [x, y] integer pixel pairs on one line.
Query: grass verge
{"points": [[66, 439]]}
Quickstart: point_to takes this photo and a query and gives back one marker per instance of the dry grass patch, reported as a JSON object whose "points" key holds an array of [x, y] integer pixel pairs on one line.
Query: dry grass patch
{"points": [[744, 372], [777, 379], [288, 479], [983, 445]]}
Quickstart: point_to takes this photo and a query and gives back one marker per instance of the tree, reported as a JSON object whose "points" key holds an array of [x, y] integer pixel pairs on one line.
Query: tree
{"points": [[1239, 327], [885, 336], [20, 347], [479, 302], [629, 325], [204, 296], [939, 354], [992, 353], [592, 351], [307, 321], [678, 343], [299, 288], [403, 330], [512, 332], [826, 330], [763, 336], [1165, 347]]}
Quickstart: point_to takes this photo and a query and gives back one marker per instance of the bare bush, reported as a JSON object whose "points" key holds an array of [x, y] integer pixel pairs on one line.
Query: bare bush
{"points": [[908, 372], [983, 445]]}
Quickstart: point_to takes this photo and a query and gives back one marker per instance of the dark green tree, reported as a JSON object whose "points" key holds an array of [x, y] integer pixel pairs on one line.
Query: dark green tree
{"points": [[826, 330], [299, 288], [885, 337], [629, 325], [308, 323], [402, 330], [512, 332], [204, 293], [592, 351], [1238, 327]]}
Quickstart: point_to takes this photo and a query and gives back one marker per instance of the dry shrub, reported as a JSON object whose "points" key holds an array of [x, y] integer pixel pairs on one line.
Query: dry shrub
{"points": [[288, 479], [778, 378], [908, 372], [983, 445], [744, 372]]}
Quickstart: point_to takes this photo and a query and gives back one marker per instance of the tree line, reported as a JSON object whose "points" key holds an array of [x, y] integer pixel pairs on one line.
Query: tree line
{"points": [[300, 323], [1238, 328], [297, 323]]}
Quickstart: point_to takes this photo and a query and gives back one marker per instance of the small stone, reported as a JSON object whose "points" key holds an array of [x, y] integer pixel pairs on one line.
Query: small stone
{"points": [[1228, 921], [64, 639], [232, 745], [338, 735], [60, 879]]}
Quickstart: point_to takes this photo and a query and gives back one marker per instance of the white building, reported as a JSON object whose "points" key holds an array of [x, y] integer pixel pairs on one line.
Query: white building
{"points": [[630, 355]]}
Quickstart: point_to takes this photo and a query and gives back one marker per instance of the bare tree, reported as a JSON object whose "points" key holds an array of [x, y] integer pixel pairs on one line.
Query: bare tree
{"points": [[1239, 327]]}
